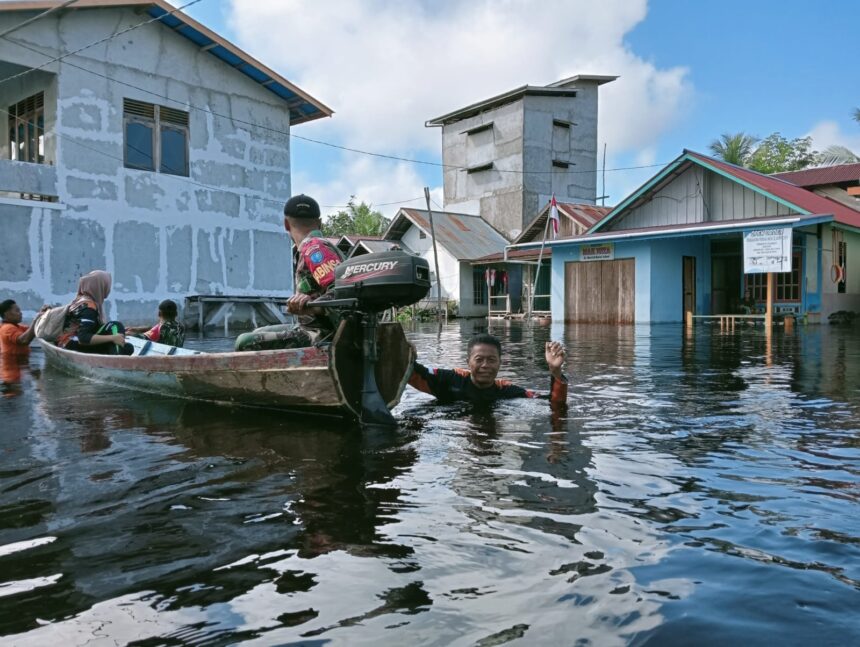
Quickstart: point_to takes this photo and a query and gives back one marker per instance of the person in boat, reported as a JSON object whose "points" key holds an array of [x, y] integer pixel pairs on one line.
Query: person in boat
{"points": [[479, 383], [167, 331], [314, 260], [15, 337], [86, 328]]}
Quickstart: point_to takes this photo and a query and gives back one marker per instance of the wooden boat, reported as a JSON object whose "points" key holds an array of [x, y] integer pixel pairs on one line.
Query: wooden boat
{"points": [[324, 380]]}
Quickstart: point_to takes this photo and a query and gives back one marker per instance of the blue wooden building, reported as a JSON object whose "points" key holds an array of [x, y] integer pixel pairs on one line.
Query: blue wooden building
{"points": [[675, 245]]}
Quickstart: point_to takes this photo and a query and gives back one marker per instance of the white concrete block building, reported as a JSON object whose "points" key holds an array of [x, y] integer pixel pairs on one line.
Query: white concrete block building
{"points": [[161, 154]]}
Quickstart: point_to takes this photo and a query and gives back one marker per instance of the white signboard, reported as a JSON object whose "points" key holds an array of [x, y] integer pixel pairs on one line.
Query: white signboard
{"points": [[767, 250], [597, 252]]}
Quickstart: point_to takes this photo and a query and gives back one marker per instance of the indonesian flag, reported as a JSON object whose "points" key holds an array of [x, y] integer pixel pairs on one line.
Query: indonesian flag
{"points": [[553, 216], [488, 279], [492, 278]]}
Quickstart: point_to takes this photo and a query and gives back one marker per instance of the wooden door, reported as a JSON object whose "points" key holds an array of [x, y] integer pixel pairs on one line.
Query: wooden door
{"points": [[689, 286], [600, 291]]}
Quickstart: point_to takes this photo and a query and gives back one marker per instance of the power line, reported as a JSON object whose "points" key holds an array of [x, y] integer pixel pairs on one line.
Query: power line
{"points": [[236, 120], [98, 42]]}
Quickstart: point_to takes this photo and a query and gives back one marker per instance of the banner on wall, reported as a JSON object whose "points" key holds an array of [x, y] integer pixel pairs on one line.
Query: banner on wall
{"points": [[597, 252], [767, 250]]}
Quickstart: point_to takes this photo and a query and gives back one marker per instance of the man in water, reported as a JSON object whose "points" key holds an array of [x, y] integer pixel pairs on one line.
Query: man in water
{"points": [[479, 383], [313, 268], [15, 337]]}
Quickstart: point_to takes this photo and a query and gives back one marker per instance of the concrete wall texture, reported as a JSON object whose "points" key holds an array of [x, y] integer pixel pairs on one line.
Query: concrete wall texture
{"points": [[161, 236], [527, 134]]}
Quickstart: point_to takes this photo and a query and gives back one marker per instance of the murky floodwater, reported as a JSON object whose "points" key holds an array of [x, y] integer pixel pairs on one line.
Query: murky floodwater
{"points": [[699, 490]]}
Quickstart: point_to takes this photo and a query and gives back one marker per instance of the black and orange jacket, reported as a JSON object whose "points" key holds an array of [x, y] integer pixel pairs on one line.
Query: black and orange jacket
{"points": [[452, 385]]}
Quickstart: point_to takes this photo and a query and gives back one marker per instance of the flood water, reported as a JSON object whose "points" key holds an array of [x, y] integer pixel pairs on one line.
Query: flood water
{"points": [[699, 490]]}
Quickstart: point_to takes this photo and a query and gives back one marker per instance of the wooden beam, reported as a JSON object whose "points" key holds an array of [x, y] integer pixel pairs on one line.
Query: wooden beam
{"points": [[854, 190], [768, 313]]}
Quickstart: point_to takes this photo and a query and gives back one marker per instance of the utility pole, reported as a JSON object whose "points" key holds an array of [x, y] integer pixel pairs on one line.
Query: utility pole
{"points": [[435, 258]]}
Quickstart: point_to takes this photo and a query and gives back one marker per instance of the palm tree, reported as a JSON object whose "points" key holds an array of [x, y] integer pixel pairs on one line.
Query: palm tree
{"points": [[857, 115], [734, 148], [835, 155]]}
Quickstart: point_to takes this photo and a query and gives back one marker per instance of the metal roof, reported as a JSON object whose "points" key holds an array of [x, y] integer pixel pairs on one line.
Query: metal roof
{"points": [[373, 245], [791, 195], [563, 88], [530, 254], [302, 106], [464, 236], [811, 177], [583, 215]]}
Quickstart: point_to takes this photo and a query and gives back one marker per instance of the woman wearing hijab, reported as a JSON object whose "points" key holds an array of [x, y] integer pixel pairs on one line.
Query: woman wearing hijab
{"points": [[86, 328]]}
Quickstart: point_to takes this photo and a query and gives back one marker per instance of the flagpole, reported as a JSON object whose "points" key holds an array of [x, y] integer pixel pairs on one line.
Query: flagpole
{"points": [[540, 258]]}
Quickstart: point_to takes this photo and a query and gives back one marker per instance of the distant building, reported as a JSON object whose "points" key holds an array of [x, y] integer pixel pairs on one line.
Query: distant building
{"points": [[574, 220], [675, 245], [161, 155], [507, 155], [460, 239]]}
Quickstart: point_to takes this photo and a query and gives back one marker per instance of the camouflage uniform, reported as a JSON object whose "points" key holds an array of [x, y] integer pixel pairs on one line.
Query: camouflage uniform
{"points": [[314, 261]]}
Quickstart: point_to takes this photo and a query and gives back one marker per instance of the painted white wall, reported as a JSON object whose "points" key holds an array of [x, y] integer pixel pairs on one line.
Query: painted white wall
{"points": [[449, 267]]}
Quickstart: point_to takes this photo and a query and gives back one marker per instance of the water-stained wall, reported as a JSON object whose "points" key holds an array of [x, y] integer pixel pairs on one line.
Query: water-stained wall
{"points": [[218, 231]]}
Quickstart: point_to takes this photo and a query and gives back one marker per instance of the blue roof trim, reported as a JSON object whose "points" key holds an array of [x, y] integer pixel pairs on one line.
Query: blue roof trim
{"points": [[620, 236], [303, 111]]}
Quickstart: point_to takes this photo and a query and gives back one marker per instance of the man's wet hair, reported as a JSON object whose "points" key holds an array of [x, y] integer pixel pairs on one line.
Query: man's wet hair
{"points": [[167, 308], [4, 307], [484, 338]]}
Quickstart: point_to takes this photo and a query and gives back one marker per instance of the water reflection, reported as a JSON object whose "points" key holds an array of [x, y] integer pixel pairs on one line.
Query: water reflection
{"points": [[699, 488]]}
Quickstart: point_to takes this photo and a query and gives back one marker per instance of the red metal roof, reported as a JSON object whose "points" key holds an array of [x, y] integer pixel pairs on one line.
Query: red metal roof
{"points": [[530, 254], [822, 176], [798, 196], [584, 217]]}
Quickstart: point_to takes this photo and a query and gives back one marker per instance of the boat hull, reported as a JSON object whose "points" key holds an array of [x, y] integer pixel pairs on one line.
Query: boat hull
{"points": [[308, 379]]}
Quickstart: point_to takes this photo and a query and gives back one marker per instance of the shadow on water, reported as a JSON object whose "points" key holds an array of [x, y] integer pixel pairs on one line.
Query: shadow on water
{"points": [[699, 488], [156, 494]]}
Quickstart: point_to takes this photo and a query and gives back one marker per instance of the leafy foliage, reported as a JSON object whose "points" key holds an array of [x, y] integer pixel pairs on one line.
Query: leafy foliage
{"points": [[857, 115], [358, 219], [835, 154], [776, 154]]}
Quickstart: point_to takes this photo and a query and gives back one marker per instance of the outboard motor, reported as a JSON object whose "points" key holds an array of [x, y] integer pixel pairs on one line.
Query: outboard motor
{"points": [[367, 285]]}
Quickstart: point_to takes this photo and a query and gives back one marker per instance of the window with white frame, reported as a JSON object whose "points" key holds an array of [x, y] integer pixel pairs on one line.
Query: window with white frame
{"points": [[156, 138]]}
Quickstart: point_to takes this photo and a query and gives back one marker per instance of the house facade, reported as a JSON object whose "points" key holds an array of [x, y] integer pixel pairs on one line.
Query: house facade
{"points": [[506, 156], [161, 155], [460, 239], [676, 245]]}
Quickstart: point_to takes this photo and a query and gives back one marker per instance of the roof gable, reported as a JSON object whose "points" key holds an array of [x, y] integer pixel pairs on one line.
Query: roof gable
{"points": [[302, 106], [794, 198], [580, 218]]}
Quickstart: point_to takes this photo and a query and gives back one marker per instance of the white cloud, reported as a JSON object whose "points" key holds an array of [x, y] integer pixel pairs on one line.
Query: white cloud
{"points": [[828, 133], [386, 67], [376, 182]]}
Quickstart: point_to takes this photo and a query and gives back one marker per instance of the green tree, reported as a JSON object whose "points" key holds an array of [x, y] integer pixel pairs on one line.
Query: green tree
{"points": [[734, 148], [776, 154], [358, 219]]}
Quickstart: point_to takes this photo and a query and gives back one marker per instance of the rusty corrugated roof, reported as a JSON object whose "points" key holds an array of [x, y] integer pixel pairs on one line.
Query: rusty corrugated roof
{"points": [[582, 216], [843, 173], [465, 237]]}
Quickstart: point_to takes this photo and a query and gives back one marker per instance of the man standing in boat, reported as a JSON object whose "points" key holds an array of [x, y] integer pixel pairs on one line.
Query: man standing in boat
{"points": [[314, 260]]}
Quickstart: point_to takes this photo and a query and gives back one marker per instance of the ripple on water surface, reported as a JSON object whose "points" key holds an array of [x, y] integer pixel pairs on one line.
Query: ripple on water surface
{"points": [[698, 489]]}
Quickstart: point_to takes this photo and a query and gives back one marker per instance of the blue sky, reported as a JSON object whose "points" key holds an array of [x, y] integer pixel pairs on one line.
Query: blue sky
{"points": [[689, 71]]}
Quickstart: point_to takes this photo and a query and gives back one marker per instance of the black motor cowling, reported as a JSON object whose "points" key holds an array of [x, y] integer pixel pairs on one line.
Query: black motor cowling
{"points": [[382, 280]]}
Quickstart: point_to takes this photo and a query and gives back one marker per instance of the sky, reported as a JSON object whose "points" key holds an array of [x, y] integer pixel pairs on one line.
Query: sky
{"points": [[688, 70]]}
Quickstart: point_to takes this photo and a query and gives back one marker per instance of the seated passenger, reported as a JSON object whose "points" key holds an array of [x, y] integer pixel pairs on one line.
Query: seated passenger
{"points": [[167, 331], [86, 328], [314, 260], [15, 337], [479, 383]]}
